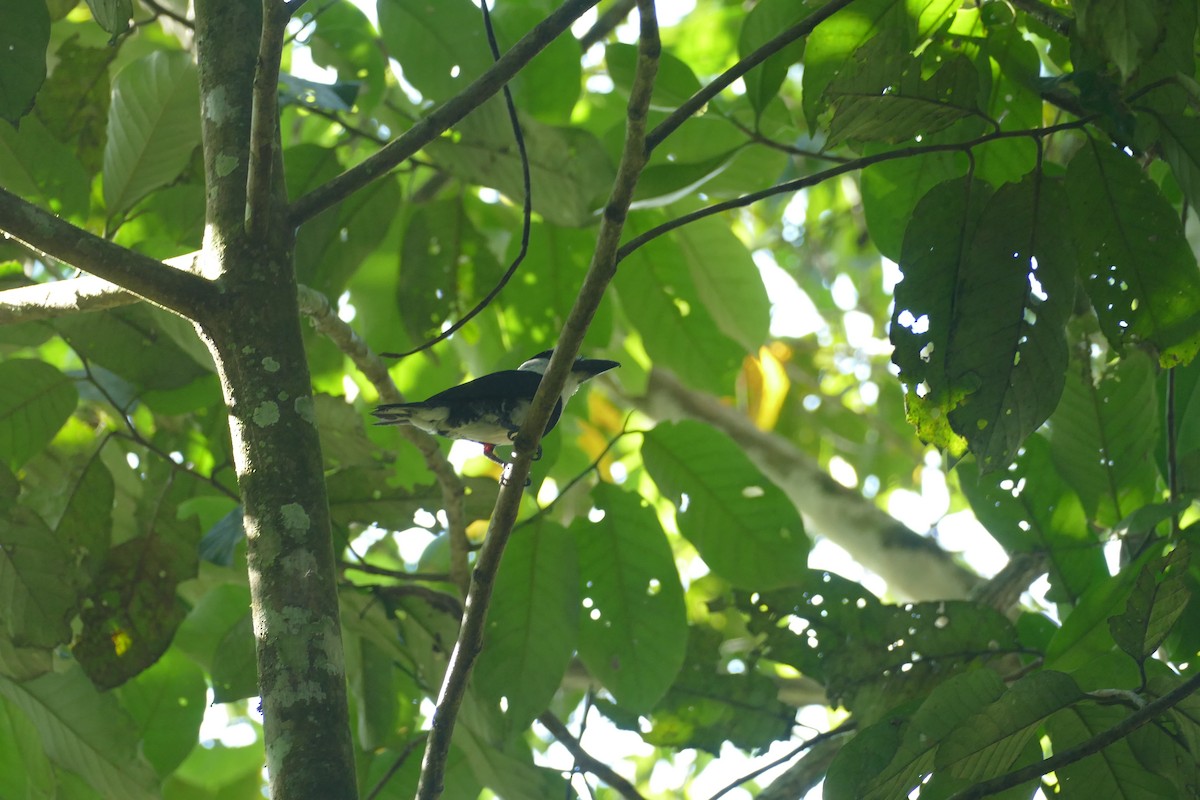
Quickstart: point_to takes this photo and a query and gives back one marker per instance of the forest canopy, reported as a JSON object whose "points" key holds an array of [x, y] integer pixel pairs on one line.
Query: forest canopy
{"points": [[892, 496]]}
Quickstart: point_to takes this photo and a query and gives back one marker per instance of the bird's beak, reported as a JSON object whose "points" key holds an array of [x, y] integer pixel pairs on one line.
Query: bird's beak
{"points": [[591, 367]]}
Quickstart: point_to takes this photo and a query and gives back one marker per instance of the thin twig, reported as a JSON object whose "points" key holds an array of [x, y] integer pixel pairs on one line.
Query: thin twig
{"points": [[789, 187], [697, 101], [600, 273], [606, 23], [1090, 747], [1052, 18], [527, 209], [585, 760], [841, 730], [162, 11], [398, 574], [317, 308], [444, 116], [394, 768]]}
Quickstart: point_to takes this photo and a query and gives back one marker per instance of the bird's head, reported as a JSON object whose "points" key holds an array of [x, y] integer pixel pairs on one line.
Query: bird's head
{"points": [[584, 369]]}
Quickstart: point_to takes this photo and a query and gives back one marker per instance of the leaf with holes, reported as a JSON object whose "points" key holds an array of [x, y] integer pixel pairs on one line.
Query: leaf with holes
{"points": [[743, 526], [533, 623], [1136, 264], [633, 625]]}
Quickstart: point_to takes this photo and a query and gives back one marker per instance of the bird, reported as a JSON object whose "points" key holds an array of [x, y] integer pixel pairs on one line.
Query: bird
{"points": [[490, 409]]}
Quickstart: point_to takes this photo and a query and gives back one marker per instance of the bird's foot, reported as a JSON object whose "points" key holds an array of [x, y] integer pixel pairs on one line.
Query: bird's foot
{"points": [[507, 472], [512, 435]]}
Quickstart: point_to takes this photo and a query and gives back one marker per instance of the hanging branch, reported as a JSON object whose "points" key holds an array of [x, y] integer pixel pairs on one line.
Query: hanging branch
{"points": [[600, 273], [585, 760], [456, 108], [527, 208]]}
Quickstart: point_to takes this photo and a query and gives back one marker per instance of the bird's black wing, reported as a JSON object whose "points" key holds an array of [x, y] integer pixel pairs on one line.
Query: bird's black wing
{"points": [[509, 383]]}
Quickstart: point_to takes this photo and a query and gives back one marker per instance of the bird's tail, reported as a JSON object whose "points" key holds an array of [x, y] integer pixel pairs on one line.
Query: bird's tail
{"points": [[394, 414]]}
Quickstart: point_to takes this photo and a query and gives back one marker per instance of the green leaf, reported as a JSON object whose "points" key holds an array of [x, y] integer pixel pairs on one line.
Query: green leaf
{"points": [[153, 127], [1113, 772], [570, 171], [633, 626], [727, 282], [935, 721], [167, 703], [549, 85], [1136, 264], [43, 170], [1179, 137], [372, 678], [1123, 30], [884, 96], [440, 46], [135, 609], [36, 582], [86, 732], [24, 35], [533, 623], [25, 769], [1107, 461], [892, 189], [112, 15], [764, 22], [658, 293], [73, 105], [1029, 508], [981, 329], [343, 38], [1159, 597], [85, 529], [37, 399], [1085, 634], [674, 82], [235, 664], [990, 742], [743, 526], [831, 47], [136, 343], [709, 705]]}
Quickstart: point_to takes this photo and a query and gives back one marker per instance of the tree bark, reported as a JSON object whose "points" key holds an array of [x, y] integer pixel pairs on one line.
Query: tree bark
{"points": [[253, 332]]}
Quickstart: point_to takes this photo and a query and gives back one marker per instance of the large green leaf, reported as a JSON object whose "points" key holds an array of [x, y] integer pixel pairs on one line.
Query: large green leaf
{"points": [[764, 22], [935, 721], [892, 189], [991, 296], [658, 293], [1158, 598], [25, 769], [135, 609], [1115, 771], [570, 171], [532, 624], [883, 96], [85, 529], [1124, 30], [153, 127], [743, 526], [1029, 508], [167, 703], [440, 45], [112, 15], [727, 282], [343, 38], [1107, 461], [73, 104], [633, 627], [1136, 264], [35, 400], [86, 732], [830, 49], [24, 34], [42, 170], [990, 741], [35, 582]]}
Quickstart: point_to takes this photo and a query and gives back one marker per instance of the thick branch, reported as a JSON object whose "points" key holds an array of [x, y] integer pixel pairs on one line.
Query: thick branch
{"points": [[600, 273], [912, 565], [173, 289], [450, 112], [265, 118]]}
